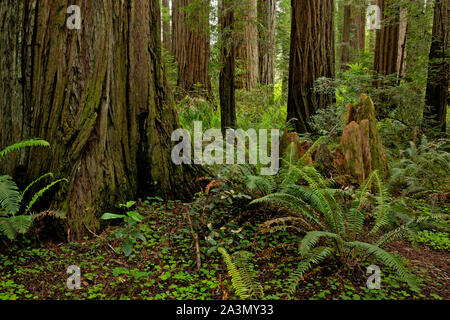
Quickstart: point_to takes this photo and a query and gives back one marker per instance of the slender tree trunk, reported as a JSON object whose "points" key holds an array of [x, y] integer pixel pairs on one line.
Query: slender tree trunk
{"points": [[166, 24], [402, 43], [246, 35], [227, 72], [439, 68], [267, 30], [311, 57], [191, 46], [98, 95]]}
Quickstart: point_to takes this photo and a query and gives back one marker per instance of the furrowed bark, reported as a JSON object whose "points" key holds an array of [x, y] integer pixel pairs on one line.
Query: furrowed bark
{"points": [[98, 95]]}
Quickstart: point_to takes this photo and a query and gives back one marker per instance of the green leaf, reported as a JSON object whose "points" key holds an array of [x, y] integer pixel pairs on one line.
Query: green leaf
{"points": [[135, 216], [127, 247], [110, 216]]}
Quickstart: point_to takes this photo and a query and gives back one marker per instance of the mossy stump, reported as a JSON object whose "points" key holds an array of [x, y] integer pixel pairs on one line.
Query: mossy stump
{"points": [[361, 144]]}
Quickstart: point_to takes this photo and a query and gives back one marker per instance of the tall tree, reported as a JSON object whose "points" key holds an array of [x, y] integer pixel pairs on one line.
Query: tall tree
{"points": [[98, 95], [439, 67], [311, 57], [354, 33], [267, 31], [246, 36], [166, 24], [388, 39], [191, 45], [227, 71]]}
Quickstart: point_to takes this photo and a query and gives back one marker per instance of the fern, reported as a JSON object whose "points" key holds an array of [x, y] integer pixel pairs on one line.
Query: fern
{"points": [[24, 144], [9, 195], [237, 278], [41, 192]]}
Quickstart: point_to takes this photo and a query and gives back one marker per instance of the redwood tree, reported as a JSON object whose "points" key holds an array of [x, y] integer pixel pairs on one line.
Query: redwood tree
{"points": [[246, 37], [97, 94], [190, 44], [267, 31], [388, 39], [311, 57], [166, 24], [227, 71], [354, 33], [439, 67]]}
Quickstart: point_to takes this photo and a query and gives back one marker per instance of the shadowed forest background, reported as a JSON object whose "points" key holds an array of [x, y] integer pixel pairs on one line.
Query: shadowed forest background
{"points": [[357, 88]]}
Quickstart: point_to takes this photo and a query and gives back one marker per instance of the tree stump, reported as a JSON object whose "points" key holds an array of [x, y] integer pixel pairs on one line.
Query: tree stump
{"points": [[361, 144]]}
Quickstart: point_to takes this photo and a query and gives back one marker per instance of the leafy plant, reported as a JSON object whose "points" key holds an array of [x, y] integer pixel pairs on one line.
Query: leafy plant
{"points": [[130, 233], [243, 277], [349, 235], [11, 199], [421, 168]]}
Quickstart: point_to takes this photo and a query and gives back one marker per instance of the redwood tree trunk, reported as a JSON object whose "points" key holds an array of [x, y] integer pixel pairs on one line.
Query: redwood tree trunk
{"points": [[166, 24], [246, 36], [354, 34], [98, 95], [387, 43], [439, 67], [191, 45], [311, 57], [227, 71], [267, 31]]}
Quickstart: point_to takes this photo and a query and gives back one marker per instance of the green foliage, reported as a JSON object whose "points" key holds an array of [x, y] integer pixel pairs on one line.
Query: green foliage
{"points": [[130, 233], [243, 276], [421, 168], [11, 199], [24, 144], [349, 234], [436, 240]]}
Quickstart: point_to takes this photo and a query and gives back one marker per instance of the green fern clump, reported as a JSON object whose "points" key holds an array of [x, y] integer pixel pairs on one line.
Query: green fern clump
{"points": [[11, 199], [422, 168], [348, 234]]}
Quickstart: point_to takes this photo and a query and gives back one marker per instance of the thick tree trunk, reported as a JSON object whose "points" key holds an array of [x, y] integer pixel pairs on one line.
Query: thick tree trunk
{"points": [[98, 95], [191, 45], [387, 43], [166, 24], [439, 68], [267, 31], [227, 71], [311, 57], [246, 36]]}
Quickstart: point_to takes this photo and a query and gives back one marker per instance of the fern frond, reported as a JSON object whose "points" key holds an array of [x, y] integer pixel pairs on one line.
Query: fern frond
{"points": [[249, 275], [312, 238], [389, 260], [297, 204], [34, 183], [9, 195], [261, 184], [24, 144], [318, 255], [236, 277], [41, 192]]}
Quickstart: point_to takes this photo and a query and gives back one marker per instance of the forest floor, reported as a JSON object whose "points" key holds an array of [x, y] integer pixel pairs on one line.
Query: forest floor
{"points": [[165, 265]]}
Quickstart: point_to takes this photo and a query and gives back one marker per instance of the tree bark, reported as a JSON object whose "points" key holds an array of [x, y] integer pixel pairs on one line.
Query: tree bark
{"points": [[387, 42], [267, 31], [311, 57], [439, 68], [166, 24], [246, 36], [191, 46], [227, 71], [354, 34], [98, 95]]}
